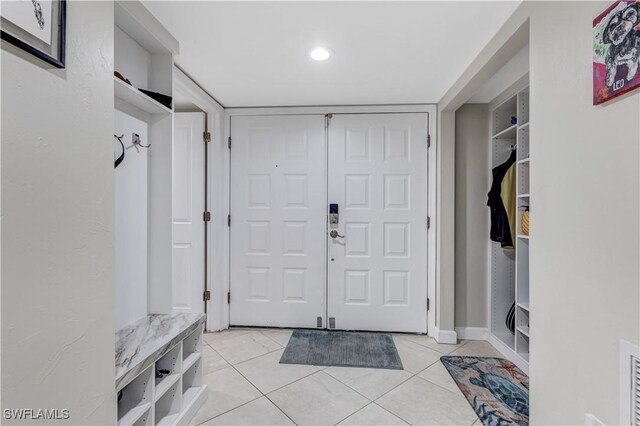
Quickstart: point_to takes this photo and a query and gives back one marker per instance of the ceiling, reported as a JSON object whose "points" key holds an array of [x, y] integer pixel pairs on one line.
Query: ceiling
{"points": [[387, 52]]}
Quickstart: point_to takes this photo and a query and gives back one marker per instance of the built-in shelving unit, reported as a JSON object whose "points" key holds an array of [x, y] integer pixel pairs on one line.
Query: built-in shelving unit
{"points": [[510, 129], [164, 386], [171, 399]]}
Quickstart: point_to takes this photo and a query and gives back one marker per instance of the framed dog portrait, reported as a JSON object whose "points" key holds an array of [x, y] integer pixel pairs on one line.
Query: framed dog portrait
{"points": [[616, 50], [35, 26]]}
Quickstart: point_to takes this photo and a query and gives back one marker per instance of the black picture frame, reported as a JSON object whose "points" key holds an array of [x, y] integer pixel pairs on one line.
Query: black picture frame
{"points": [[59, 61]]}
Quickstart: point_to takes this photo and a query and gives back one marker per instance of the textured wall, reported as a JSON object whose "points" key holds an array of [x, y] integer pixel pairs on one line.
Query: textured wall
{"points": [[584, 223], [57, 225]]}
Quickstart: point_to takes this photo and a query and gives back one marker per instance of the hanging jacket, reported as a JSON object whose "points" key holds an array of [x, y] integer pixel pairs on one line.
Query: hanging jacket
{"points": [[500, 229]]}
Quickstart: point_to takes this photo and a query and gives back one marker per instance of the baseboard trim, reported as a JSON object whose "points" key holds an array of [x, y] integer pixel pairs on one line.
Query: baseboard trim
{"points": [[446, 336], [472, 333]]}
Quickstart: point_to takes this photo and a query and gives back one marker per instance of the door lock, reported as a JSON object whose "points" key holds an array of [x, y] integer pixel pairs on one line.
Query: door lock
{"points": [[334, 234]]}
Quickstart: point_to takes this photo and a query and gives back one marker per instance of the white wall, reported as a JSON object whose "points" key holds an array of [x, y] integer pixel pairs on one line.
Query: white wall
{"points": [[131, 223], [584, 223], [57, 224], [472, 215]]}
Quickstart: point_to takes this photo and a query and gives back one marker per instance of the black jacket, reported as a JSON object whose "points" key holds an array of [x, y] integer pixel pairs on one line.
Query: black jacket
{"points": [[500, 231]]}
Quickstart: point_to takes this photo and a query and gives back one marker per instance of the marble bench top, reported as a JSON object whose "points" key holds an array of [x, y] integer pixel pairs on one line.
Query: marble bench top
{"points": [[143, 342]]}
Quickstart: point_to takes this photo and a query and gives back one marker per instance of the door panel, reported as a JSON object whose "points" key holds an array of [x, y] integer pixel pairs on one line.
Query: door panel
{"points": [[188, 205], [278, 225], [377, 174]]}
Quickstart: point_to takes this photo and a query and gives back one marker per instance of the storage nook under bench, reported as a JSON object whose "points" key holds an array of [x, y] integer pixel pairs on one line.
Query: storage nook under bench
{"points": [[159, 370]]}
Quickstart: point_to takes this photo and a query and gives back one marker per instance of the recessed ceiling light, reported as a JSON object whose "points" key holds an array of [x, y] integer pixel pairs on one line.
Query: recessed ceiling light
{"points": [[320, 54]]}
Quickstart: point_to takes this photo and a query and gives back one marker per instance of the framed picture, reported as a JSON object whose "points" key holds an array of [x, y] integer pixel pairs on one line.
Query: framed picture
{"points": [[36, 26], [616, 50]]}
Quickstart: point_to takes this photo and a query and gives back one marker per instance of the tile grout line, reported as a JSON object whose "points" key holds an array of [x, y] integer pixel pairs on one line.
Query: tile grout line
{"points": [[370, 401]]}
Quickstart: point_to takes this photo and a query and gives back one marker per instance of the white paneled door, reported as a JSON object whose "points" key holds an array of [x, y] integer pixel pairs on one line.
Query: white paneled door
{"points": [[377, 265], [188, 205], [278, 221], [291, 265]]}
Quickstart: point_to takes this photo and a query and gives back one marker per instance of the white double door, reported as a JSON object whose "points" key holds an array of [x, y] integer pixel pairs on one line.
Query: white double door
{"points": [[287, 270]]}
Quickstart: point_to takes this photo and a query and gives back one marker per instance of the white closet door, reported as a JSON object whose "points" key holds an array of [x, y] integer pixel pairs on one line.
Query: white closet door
{"points": [[278, 223], [377, 273], [188, 207]]}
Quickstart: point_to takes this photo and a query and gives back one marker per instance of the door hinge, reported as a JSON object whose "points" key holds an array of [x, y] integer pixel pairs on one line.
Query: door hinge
{"points": [[229, 220], [428, 222], [206, 295], [428, 304], [206, 136], [228, 298], [206, 216], [428, 141], [229, 143]]}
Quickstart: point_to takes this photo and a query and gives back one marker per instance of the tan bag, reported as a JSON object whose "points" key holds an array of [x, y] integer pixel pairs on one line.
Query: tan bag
{"points": [[524, 222]]}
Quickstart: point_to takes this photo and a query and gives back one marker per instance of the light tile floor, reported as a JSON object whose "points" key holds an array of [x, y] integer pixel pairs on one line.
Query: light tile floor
{"points": [[247, 385]]}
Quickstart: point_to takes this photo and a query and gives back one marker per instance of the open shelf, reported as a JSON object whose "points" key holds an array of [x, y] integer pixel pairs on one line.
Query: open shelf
{"points": [[524, 126], [165, 384], [133, 96], [132, 412], [524, 330], [523, 161], [524, 237], [136, 399], [190, 360], [523, 305], [509, 133]]}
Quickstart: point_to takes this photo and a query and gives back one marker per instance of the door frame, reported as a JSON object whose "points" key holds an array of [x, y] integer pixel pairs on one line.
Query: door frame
{"points": [[215, 192], [221, 276]]}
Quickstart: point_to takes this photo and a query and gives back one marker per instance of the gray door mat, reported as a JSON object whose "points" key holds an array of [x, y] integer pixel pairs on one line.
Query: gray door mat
{"points": [[342, 349]]}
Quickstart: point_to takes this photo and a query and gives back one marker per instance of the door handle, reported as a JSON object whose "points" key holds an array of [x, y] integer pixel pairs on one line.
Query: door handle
{"points": [[334, 234]]}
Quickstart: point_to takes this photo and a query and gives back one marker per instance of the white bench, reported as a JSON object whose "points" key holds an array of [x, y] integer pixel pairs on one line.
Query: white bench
{"points": [[160, 342]]}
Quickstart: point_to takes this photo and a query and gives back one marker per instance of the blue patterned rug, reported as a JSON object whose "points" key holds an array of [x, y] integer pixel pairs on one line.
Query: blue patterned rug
{"points": [[496, 389]]}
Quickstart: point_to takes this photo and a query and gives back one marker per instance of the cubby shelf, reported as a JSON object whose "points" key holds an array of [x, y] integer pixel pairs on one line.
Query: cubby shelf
{"points": [[135, 97], [523, 195], [190, 360], [163, 385], [130, 412], [523, 330], [523, 161], [524, 306]]}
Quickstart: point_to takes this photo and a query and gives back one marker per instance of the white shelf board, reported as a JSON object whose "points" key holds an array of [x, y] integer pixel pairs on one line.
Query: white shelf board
{"points": [[190, 394], [524, 237], [190, 360], [524, 126], [165, 384], [523, 330], [130, 411], [508, 133], [524, 306], [169, 419], [133, 96], [523, 161], [523, 195]]}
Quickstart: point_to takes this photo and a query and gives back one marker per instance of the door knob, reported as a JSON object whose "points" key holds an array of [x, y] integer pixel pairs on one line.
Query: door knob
{"points": [[334, 234]]}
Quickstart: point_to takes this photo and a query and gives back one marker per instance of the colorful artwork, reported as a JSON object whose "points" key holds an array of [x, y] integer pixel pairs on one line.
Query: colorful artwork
{"points": [[496, 389], [616, 50]]}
